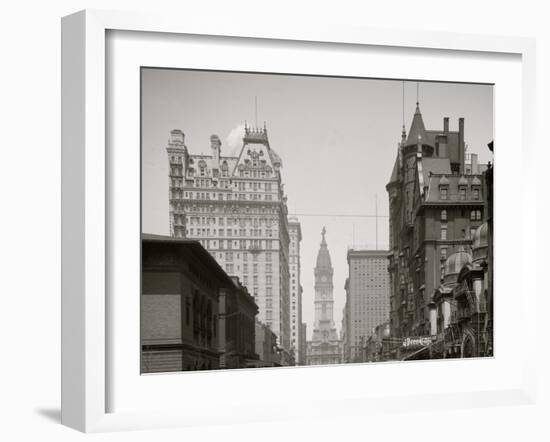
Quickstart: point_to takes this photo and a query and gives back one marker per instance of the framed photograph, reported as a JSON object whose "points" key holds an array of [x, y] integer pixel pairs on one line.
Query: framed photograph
{"points": [[307, 214]]}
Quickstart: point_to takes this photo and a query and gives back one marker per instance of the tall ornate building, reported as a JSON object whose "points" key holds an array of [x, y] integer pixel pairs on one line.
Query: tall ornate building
{"points": [[435, 198], [295, 234], [236, 207], [325, 346]]}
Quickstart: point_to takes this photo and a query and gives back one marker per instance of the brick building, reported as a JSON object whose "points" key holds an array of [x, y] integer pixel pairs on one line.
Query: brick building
{"points": [[237, 317], [435, 204], [183, 324]]}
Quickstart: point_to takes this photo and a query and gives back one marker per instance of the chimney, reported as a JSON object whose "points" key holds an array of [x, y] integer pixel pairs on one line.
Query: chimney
{"points": [[215, 147], [461, 144], [474, 164], [442, 146], [446, 125]]}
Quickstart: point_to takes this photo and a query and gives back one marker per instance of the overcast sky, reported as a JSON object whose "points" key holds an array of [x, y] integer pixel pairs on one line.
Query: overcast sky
{"points": [[337, 138]]}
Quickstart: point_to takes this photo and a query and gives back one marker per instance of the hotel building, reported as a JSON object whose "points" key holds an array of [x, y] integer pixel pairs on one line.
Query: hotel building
{"points": [[236, 207]]}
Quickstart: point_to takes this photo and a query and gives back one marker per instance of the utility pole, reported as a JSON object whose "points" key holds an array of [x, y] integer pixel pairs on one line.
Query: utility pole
{"points": [[256, 109]]}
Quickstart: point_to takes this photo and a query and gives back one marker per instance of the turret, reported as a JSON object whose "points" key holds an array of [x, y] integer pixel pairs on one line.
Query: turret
{"points": [[215, 147], [418, 132], [177, 151]]}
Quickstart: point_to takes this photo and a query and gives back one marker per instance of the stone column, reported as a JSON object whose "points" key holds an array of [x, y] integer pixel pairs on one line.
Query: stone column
{"points": [[433, 319], [478, 289], [446, 309]]}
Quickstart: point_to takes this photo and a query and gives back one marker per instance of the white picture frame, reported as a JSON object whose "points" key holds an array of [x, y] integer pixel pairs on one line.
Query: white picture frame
{"points": [[86, 232]]}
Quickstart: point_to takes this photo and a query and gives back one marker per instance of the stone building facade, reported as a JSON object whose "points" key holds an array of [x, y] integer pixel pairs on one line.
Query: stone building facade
{"points": [[346, 352], [269, 354], [377, 346], [325, 346], [461, 313], [236, 207], [237, 316], [367, 299], [295, 234], [435, 204], [303, 344]]}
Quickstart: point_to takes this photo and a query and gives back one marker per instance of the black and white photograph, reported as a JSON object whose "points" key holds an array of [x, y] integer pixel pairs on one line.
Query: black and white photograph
{"points": [[295, 220]]}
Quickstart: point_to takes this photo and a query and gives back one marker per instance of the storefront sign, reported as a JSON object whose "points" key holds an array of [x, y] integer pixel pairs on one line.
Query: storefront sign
{"points": [[416, 342]]}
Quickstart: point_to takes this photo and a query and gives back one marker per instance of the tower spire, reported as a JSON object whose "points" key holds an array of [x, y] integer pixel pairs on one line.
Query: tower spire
{"points": [[403, 104], [417, 131], [323, 233], [403, 131]]}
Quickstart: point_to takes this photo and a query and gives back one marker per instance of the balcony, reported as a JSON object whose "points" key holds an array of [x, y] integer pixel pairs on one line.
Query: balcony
{"points": [[254, 249]]}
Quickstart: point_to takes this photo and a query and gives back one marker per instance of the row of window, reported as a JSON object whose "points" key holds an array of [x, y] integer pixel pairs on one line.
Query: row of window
{"points": [[223, 244], [471, 232], [242, 222], [176, 194], [255, 173], [475, 215], [253, 185], [179, 205], [230, 255], [204, 231], [444, 192]]}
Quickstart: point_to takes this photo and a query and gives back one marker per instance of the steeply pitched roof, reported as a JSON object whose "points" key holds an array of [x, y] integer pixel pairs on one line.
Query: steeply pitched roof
{"points": [[231, 162], [323, 256], [436, 165], [395, 171], [418, 130], [275, 158], [434, 180]]}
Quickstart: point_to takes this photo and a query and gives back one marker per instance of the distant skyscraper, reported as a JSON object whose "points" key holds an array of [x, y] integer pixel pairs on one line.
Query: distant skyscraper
{"points": [[236, 207], [325, 346], [345, 326], [295, 234], [367, 298]]}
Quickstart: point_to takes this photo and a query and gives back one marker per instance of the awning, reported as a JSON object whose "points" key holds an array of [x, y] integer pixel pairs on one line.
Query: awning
{"points": [[412, 356]]}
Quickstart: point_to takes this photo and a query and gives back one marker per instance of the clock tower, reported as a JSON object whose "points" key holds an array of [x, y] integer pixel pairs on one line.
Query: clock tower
{"points": [[325, 347]]}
